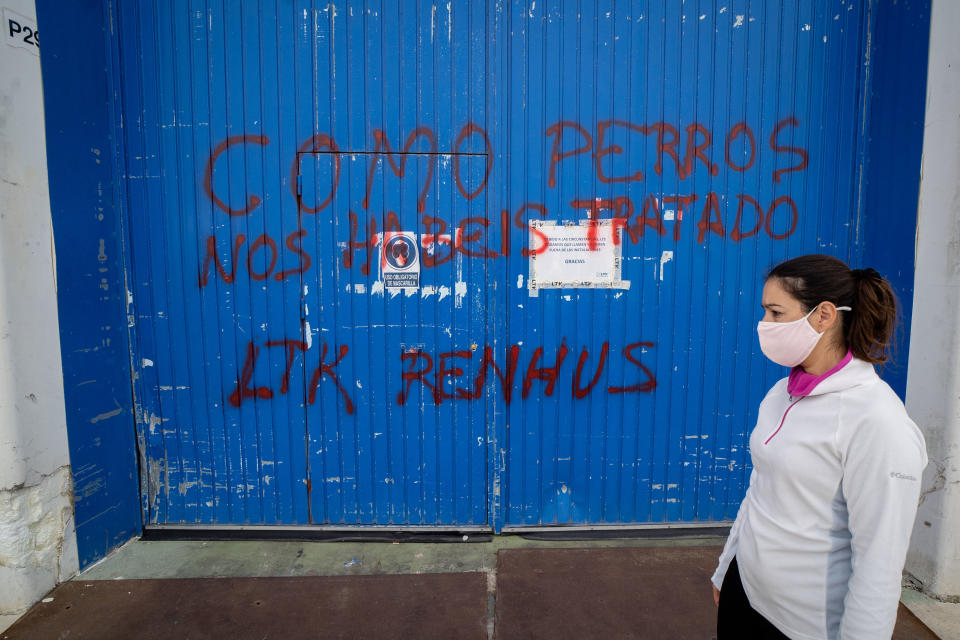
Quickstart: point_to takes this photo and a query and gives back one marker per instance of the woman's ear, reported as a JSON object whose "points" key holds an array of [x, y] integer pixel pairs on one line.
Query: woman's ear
{"points": [[826, 315]]}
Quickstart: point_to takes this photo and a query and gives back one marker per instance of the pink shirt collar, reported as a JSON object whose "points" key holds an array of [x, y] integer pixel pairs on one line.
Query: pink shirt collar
{"points": [[802, 383]]}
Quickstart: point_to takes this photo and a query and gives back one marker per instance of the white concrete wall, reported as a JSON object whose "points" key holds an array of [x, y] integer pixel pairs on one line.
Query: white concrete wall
{"points": [[933, 379], [37, 539]]}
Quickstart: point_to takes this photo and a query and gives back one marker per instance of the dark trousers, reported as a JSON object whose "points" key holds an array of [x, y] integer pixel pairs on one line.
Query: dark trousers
{"points": [[736, 619]]}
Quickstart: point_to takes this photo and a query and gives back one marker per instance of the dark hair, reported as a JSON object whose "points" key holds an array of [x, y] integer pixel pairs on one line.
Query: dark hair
{"points": [[868, 328]]}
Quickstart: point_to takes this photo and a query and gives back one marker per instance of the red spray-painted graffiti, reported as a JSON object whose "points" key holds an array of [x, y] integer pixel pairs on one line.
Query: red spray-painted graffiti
{"points": [[667, 137], [323, 370], [698, 141], [470, 237], [438, 374], [734, 218], [678, 152]]}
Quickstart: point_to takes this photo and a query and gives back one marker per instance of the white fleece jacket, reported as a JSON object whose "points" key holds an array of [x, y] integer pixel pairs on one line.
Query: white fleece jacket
{"points": [[821, 536]]}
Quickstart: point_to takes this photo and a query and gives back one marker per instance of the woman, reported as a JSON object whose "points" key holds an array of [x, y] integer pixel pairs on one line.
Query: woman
{"points": [[818, 546]]}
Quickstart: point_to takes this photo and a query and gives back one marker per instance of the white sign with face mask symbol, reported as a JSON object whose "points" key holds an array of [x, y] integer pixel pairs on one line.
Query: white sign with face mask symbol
{"points": [[400, 260]]}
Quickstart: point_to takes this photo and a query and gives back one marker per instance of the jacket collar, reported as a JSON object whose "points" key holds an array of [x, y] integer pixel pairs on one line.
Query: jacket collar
{"points": [[854, 374]]}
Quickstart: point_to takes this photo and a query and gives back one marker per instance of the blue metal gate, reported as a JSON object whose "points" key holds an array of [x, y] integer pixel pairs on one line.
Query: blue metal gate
{"points": [[723, 136], [358, 234]]}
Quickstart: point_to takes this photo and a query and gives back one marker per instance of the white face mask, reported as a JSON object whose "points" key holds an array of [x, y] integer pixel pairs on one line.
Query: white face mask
{"points": [[789, 343]]}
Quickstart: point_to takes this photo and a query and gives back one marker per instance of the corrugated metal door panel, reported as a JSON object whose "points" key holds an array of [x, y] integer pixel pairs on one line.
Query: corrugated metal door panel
{"points": [[379, 455], [202, 324], [248, 412], [647, 78], [391, 451], [195, 86]]}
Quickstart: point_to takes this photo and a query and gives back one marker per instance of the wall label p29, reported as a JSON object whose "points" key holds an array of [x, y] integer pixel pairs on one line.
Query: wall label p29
{"points": [[20, 31]]}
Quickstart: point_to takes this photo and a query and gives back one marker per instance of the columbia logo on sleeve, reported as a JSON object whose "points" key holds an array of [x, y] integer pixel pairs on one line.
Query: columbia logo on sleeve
{"points": [[901, 476]]}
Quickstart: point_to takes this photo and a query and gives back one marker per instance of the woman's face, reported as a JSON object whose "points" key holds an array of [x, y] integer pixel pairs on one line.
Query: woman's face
{"points": [[779, 306]]}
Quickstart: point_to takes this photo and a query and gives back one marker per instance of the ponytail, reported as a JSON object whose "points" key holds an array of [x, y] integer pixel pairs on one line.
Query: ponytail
{"points": [[868, 329]]}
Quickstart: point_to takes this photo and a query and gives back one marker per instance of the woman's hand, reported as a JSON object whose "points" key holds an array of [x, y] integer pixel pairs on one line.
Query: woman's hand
{"points": [[716, 594]]}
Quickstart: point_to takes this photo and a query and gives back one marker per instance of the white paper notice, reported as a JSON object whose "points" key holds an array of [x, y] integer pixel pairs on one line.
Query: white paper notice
{"points": [[575, 256]]}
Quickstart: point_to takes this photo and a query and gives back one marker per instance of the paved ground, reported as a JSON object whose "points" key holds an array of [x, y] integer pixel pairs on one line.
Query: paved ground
{"points": [[509, 587]]}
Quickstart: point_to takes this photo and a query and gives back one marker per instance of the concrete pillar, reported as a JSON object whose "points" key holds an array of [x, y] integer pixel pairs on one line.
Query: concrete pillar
{"points": [[933, 378], [37, 539]]}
